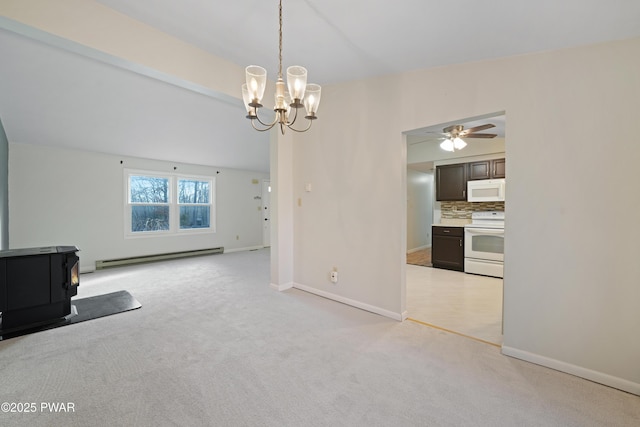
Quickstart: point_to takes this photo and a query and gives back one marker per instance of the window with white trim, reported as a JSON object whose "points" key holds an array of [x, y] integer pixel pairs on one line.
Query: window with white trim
{"points": [[194, 201], [168, 203]]}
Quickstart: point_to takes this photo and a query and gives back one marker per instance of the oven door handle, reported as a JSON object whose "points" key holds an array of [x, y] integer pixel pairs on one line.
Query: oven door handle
{"points": [[485, 231]]}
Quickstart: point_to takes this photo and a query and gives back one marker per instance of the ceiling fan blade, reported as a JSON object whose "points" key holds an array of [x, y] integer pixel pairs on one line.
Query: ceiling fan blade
{"points": [[479, 128], [480, 135], [469, 131]]}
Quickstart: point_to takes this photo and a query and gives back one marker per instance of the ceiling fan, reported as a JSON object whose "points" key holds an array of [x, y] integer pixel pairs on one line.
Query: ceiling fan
{"points": [[453, 135]]}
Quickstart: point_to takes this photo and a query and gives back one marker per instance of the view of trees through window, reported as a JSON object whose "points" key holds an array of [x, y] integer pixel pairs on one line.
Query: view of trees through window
{"points": [[152, 199], [149, 197], [193, 198]]}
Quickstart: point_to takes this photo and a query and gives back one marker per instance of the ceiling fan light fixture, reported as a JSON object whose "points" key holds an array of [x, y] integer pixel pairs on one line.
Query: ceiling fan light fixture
{"points": [[455, 133], [447, 145], [458, 143]]}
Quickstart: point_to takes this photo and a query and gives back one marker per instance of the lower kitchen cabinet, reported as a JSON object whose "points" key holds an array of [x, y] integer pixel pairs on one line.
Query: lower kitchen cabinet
{"points": [[447, 247]]}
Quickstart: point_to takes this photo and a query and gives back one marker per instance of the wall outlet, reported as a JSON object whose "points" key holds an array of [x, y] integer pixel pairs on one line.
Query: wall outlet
{"points": [[334, 276]]}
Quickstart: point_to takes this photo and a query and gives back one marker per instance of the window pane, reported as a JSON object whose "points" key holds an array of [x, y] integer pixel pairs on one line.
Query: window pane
{"points": [[148, 189], [192, 191], [149, 218], [195, 217]]}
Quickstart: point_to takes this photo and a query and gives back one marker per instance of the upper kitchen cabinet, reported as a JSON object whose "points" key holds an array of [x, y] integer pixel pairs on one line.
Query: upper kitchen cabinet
{"points": [[451, 182], [487, 169], [498, 168]]}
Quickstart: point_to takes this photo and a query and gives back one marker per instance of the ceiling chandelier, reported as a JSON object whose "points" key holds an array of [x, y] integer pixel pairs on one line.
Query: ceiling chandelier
{"points": [[300, 94]]}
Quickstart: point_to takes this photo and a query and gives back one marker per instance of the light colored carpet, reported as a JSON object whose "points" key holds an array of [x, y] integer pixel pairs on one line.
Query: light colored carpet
{"points": [[213, 345]]}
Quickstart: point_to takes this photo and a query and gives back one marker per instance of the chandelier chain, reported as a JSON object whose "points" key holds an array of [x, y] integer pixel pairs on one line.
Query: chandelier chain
{"points": [[280, 44]]}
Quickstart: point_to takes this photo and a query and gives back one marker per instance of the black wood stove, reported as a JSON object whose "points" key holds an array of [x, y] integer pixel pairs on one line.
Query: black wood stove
{"points": [[36, 286]]}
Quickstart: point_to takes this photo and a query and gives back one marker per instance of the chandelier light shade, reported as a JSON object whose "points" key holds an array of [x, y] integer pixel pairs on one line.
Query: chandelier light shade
{"points": [[312, 100], [256, 83], [246, 97], [299, 94], [297, 82]]}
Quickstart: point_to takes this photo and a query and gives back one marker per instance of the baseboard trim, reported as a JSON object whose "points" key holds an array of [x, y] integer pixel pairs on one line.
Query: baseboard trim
{"points": [[349, 301], [282, 287], [91, 268], [248, 248], [410, 251], [405, 315], [579, 371]]}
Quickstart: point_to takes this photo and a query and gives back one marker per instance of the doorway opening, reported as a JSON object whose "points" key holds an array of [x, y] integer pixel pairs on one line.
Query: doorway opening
{"points": [[467, 304]]}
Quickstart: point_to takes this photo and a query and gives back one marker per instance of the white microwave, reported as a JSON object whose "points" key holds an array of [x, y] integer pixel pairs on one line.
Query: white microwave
{"points": [[486, 190]]}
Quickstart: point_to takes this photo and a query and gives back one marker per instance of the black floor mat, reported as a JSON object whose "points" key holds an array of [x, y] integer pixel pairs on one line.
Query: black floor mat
{"points": [[84, 309]]}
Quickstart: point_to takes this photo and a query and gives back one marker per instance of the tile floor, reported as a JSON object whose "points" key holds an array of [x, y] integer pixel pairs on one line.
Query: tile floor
{"points": [[464, 303]]}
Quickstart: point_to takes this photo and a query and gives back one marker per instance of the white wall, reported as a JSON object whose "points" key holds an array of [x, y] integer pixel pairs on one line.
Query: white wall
{"points": [[355, 217], [69, 197], [572, 299], [420, 198]]}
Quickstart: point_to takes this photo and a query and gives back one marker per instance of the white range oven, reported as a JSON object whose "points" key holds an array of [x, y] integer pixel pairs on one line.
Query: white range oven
{"points": [[484, 244]]}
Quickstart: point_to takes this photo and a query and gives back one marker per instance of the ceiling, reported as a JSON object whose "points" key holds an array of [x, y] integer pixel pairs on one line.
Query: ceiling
{"points": [[377, 37], [56, 97]]}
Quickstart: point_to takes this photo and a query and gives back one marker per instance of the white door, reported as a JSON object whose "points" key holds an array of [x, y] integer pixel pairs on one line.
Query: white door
{"points": [[266, 213]]}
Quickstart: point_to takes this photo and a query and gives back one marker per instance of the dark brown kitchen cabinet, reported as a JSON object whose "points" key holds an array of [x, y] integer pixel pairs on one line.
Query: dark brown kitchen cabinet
{"points": [[487, 169], [498, 168], [447, 247], [451, 182]]}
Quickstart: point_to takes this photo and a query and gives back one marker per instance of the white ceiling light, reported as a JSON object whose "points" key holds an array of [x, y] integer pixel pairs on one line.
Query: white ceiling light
{"points": [[450, 144], [447, 145], [458, 143], [253, 90]]}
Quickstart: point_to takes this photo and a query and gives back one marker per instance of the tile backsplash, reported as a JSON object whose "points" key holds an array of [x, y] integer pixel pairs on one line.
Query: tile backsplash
{"points": [[462, 210]]}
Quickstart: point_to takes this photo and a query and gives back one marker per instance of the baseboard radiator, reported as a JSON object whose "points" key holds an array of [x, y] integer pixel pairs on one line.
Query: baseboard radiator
{"points": [[158, 257]]}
